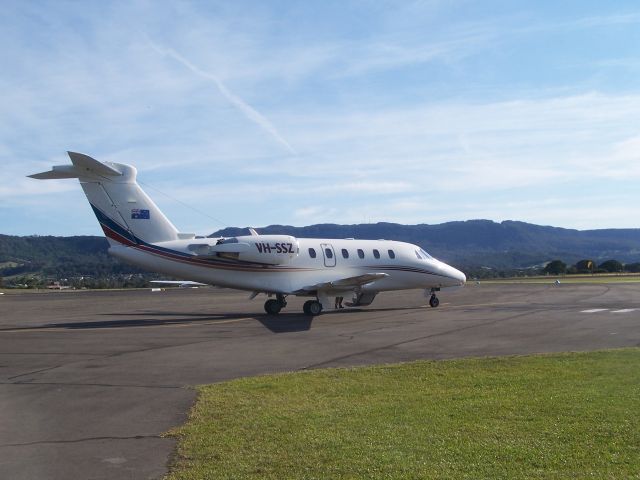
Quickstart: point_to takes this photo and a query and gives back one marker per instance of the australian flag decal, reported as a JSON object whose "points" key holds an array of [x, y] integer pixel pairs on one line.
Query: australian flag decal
{"points": [[139, 214]]}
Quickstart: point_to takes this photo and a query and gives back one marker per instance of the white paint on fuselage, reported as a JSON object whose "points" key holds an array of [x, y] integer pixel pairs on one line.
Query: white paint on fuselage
{"points": [[405, 271]]}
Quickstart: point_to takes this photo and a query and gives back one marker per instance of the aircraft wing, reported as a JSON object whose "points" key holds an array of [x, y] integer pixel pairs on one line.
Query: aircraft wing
{"points": [[182, 283], [345, 283]]}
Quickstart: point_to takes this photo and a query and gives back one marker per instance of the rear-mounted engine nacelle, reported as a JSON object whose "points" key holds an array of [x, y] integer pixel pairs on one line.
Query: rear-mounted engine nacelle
{"points": [[272, 249], [264, 249]]}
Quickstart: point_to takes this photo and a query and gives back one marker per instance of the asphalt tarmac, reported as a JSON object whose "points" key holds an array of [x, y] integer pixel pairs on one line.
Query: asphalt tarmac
{"points": [[90, 381]]}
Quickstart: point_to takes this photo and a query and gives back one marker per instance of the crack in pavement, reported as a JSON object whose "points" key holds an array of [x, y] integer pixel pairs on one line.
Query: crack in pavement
{"points": [[37, 371], [115, 385], [113, 355], [49, 353], [415, 339], [80, 440]]}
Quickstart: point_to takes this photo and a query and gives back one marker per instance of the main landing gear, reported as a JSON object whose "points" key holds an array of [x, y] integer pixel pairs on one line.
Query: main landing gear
{"points": [[273, 306], [312, 307]]}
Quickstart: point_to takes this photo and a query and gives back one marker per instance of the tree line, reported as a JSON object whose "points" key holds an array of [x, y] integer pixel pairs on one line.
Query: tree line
{"points": [[587, 266]]}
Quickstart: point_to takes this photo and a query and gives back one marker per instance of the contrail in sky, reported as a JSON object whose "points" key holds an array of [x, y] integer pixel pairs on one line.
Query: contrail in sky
{"points": [[251, 113]]}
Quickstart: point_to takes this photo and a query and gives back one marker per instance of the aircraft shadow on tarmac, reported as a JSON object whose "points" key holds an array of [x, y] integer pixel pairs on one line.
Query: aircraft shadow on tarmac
{"points": [[283, 323]]}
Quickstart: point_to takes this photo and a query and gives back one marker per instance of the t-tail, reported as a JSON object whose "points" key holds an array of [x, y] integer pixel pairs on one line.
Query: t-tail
{"points": [[125, 212]]}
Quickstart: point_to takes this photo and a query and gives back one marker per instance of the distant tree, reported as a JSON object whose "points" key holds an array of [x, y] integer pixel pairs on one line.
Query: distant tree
{"points": [[632, 267], [586, 266], [612, 266], [555, 267]]}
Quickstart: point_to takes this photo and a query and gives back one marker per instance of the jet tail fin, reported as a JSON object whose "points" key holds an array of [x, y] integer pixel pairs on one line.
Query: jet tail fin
{"points": [[124, 210]]}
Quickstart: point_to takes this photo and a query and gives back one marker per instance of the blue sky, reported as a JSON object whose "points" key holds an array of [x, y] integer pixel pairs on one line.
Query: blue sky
{"points": [[302, 112]]}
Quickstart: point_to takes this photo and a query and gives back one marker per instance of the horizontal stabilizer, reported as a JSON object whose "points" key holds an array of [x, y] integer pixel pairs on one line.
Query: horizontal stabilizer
{"points": [[346, 283], [83, 166], [59, 171], [85, 163]]}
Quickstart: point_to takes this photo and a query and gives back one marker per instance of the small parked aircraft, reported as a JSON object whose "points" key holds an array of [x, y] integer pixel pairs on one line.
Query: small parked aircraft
{"points": [[277, 265]]}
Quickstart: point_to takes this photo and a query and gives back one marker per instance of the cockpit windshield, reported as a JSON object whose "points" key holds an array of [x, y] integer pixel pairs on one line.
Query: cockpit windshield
{"points": [[422, 255]]}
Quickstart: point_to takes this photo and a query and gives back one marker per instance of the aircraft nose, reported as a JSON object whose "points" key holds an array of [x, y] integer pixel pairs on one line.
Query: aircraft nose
{"points": [[459, 278]]}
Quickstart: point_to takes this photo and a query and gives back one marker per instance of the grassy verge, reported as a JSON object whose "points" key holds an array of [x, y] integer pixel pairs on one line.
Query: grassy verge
{"points": [[599, 278], [555, 416]]}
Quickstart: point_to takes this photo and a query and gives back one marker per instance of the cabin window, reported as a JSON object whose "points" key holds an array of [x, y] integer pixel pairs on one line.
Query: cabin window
{"points": [[392, 254], [376, 253], [418, 255], [345, 253], [312, 252], [360, 253], [328, 253]]}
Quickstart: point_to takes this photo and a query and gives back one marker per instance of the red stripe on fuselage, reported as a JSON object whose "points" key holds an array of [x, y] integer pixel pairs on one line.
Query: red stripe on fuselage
{"points": [[116, 236]]}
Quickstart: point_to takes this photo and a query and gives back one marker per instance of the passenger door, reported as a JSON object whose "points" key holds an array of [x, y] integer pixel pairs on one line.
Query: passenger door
{"points": [[329, 254]]}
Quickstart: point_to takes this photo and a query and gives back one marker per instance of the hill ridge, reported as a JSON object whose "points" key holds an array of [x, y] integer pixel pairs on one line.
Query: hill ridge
{"points": [[466, 244]]}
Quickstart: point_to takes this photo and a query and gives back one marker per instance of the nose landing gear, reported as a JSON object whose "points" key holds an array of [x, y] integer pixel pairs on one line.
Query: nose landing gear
{"points": [[433, 301]]}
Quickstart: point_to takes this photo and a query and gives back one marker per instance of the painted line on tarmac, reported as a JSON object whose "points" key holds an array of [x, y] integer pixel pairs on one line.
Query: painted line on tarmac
{"points": [[600, 310], [235, 320], [487, 304]]}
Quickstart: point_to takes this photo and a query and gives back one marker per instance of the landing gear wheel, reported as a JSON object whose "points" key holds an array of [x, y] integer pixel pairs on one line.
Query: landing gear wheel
{"points": [[305, 307], [312, 307], [272, 307], [433, 301]]}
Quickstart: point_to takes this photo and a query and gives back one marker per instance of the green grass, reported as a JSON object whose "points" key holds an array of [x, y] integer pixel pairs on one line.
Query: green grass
{"points": [[598, 278], [551, 416]]}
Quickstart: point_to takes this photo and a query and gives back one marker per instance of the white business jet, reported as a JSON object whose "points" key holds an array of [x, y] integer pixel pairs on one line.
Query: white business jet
{"points": [[277, 265]]}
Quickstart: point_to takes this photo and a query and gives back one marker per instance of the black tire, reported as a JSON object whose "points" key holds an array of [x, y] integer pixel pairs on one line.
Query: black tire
{"points": [[315, 308], [434, 302], [305, 307], [272, 307]]}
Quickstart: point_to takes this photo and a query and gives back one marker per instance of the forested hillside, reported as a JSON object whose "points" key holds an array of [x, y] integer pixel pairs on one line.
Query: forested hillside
{"points": [[477, 243], [476, 246], [60, 257]]}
